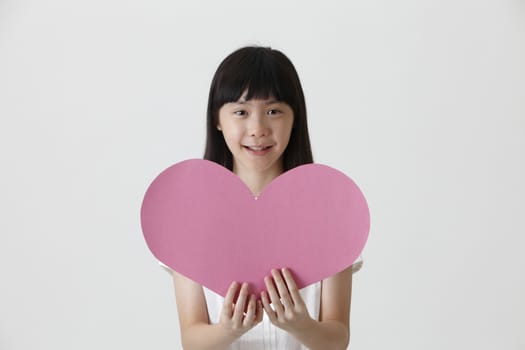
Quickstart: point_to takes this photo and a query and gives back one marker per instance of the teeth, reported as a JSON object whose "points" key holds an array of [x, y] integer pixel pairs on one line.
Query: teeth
{"points": [[257, 148]]}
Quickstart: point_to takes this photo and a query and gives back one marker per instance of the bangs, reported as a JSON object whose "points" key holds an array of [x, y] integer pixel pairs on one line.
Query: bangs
{"points": [[258, 75]]}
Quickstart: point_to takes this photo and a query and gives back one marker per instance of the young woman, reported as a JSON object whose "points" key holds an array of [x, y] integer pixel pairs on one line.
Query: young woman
{"points": [[256, 127]]}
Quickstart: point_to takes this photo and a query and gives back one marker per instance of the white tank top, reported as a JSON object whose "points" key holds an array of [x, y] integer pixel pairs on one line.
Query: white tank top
{"points": [[265, 336]]}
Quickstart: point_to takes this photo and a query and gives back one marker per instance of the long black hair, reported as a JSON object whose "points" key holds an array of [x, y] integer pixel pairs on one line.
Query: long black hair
{"points": [[263, 72]]}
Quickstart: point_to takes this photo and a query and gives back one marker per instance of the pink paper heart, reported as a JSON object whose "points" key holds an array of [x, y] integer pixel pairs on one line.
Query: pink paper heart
{"points": [[202, 221]]}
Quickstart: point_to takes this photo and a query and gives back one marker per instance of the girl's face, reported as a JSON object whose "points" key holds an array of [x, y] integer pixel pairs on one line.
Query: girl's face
{"points": [[257, 133]]}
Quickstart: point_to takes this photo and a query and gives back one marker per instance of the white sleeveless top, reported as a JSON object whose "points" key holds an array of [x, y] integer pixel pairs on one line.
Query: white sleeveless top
{"points": [[265, 336]]}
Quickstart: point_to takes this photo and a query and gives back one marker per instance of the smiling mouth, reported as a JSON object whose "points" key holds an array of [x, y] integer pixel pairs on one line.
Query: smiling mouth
{"points": [[258, 151], [257, 148]]}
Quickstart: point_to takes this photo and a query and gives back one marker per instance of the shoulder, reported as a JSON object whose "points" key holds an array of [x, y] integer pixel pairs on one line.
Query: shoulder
{"points": [[357, 265]]}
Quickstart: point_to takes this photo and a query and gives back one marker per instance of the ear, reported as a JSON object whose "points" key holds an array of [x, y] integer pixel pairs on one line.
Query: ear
{"points": [[219, 128]]}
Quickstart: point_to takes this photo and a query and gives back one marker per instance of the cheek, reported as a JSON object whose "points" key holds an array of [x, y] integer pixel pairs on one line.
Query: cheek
{"points": [[285, 131], [231, 136]]}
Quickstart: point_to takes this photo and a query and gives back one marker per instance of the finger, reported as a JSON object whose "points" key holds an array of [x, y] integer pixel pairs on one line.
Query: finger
{"points": [[227, 308], [292, 287], [266, 305], [283, 289], [250, 312], [274, 297], [238, 311]]}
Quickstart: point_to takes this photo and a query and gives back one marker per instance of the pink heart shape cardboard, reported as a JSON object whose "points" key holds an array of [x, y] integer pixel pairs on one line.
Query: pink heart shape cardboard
{"points": [[202, 221]]}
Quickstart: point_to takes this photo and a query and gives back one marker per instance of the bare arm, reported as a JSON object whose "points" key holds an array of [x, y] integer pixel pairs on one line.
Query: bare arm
{"points": [[332, 331], [196, 330]]}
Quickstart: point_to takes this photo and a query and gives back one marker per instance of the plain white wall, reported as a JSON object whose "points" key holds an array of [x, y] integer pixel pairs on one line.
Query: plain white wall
{"points": [[422, 103]]}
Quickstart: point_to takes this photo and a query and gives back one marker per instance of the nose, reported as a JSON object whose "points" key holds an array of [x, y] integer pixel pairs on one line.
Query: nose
{"points": [[258, 126]]}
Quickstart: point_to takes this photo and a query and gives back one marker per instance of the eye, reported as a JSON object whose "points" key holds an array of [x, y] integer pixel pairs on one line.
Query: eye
{"points": [[240, 113], [274, 111]]}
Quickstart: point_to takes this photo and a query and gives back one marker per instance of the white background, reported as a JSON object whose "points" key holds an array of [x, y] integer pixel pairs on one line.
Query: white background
{"points": [[422, 103]]}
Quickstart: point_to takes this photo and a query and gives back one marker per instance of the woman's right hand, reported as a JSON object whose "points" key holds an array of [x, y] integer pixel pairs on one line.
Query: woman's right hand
{"points": [[233, 318]]}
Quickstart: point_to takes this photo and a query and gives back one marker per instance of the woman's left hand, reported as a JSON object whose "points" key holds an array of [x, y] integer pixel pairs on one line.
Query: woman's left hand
{"points": [[289, 310]]}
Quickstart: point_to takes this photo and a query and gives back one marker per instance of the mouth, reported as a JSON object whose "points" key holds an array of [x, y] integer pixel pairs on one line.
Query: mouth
{"points": [[257, 150]]}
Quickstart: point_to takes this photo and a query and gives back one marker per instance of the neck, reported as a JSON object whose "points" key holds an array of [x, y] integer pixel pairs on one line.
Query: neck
{"points": [[257, 180]]}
